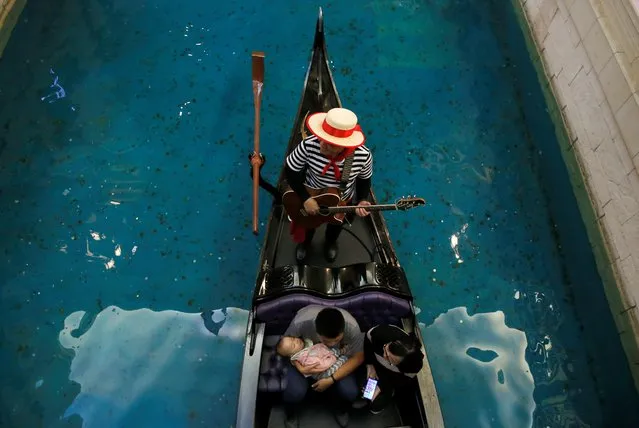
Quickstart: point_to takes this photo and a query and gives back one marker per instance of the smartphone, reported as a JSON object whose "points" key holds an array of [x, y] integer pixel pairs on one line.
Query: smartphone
{"points": [[370, 388]]}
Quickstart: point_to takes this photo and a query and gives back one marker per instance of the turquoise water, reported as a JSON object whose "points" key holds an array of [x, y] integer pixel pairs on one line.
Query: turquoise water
{"points": [[124, 195]]}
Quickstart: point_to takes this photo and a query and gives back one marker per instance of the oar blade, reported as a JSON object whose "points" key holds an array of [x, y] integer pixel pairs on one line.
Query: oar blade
{"points": [[257, 58]]}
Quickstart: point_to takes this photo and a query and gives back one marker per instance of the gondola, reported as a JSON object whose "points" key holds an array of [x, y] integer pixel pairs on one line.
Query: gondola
{"points": [[366, 279]]}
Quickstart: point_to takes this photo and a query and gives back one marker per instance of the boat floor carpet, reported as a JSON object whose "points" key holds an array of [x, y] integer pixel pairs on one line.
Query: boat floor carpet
{"points": [[319, 415], [351, 250]]}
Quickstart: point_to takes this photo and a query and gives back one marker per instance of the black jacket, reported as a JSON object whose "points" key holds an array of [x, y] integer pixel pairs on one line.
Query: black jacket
{"points": [[379, 336]]}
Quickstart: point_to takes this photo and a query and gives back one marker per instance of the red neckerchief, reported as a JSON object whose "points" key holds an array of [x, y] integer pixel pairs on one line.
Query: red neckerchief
{"points": [[333, 162]]}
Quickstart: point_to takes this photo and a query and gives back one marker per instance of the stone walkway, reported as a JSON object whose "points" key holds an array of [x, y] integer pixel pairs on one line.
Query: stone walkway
{"points": [[588, 50], [9, 13]]}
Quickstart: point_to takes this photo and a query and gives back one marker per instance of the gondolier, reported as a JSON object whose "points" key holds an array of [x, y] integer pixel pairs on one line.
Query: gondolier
{"points": [[318, 162]]}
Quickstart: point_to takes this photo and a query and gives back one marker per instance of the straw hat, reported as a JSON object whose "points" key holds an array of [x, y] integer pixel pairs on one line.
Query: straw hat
{"points": [[337, 127]]}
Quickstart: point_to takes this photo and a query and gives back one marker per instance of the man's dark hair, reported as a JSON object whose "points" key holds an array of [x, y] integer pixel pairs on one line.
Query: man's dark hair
{"points": [[329, 323]]}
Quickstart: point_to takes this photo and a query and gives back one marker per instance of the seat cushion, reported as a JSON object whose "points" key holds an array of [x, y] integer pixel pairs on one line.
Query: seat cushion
{"points": [[273, 367], [369, 309]]}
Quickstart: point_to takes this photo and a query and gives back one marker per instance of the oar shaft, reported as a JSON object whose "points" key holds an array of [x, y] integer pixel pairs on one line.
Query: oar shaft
{"points": [[256, 154], [257, 101], [256, 183], [257, 65]]}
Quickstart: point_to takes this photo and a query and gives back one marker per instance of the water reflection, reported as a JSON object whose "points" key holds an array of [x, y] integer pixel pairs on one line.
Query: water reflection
{"points": [[59, 90], [482, 361], [161, 369], [454, 242], [537, 314]]}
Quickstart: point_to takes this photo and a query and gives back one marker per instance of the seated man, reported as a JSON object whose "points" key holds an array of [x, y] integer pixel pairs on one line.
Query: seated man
{"points": [[335, 328]]}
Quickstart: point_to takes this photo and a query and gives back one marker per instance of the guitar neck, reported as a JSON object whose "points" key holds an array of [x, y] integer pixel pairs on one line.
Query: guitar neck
{"points": [[352, 208]]}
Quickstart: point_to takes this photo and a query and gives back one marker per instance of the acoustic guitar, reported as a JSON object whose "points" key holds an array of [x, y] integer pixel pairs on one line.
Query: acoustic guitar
{"points": [[332, 208]]}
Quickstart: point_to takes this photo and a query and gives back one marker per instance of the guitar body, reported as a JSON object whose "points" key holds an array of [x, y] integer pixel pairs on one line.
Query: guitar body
{"points": [[328, 197]]}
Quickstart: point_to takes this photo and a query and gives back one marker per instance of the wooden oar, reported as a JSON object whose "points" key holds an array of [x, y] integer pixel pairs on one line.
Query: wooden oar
{"points": [[256, 158]]}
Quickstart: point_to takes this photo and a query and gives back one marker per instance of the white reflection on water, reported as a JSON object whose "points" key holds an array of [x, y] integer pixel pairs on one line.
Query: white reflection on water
{"points": [[161, 369], [454, 242], [481, 362]]}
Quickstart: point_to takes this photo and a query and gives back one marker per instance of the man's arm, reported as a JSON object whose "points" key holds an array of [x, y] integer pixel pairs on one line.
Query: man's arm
{"points": [[354, 339], [349, 366], [367, 169], [341, 359], [295, 170], [362, 188], [295, 179], [363, 180]]}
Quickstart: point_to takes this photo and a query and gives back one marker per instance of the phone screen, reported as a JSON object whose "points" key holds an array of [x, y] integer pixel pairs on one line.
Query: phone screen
{"points": [[370, 388]]}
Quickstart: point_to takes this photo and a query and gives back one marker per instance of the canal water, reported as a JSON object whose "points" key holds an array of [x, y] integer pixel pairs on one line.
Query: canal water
{"points": [[124, 194]]}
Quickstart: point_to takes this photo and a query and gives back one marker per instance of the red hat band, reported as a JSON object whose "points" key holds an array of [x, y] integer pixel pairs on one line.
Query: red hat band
{"points": [[338, 133]]}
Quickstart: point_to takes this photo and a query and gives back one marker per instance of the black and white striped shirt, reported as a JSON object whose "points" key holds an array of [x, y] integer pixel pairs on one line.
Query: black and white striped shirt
{"points": [[307, 154]]}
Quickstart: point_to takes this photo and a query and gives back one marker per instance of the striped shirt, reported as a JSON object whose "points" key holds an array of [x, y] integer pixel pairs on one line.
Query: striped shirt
{"points": [[307, 154]]}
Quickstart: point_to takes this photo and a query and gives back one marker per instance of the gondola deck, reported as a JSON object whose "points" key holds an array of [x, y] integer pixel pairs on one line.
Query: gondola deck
{"points": [[366, 279], [315, 415], [355, 243]]}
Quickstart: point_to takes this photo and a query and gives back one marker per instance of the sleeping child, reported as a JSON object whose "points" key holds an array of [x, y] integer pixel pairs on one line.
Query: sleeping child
{"points": [[307, 354]]}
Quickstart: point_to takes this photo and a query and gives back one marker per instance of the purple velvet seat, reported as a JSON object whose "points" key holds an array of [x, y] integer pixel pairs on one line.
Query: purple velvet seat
{"points": [[369, 309], [273, 367]]}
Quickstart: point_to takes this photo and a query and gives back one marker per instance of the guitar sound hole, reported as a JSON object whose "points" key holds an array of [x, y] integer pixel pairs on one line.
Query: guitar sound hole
{"points": [[324, 211]]}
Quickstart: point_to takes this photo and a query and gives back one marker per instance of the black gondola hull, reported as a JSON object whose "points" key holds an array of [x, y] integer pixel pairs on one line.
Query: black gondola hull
{"points": [[366, 279]]}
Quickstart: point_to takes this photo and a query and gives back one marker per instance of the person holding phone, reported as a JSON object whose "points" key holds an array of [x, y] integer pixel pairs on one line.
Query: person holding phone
{"points": [[392, 357]]}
